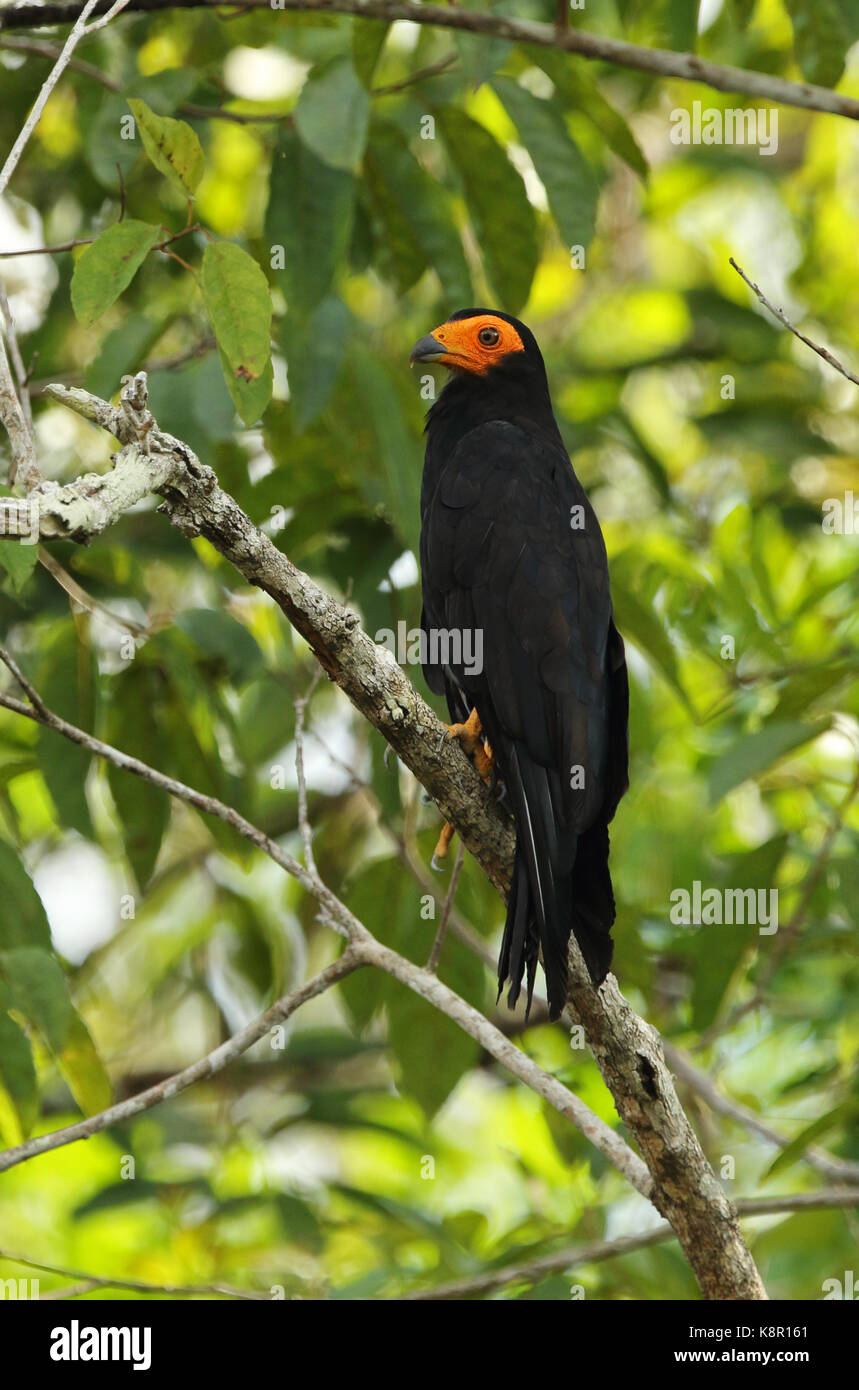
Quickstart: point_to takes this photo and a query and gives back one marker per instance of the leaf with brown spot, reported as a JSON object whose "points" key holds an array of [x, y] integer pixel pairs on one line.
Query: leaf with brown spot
{"points": [[172, 146]]}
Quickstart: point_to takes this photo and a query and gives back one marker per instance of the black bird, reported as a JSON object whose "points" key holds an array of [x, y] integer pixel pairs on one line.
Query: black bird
{"points": [[511, 549]]}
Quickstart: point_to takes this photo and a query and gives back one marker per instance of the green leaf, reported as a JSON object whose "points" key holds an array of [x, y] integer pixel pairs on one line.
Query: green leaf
{"points": [[67, 684], [19, 559], [221, 636], [299, 1221], [721, 949], [122, 352], [83, 1070], [641, 625], [398, 487], [315, 349], [239, 304], [104, 145], [250, 398], [310, 212], [682, 21], [23, 921], [569, 181], [19, 1101], [820, 39], [844, 1114], [109, 265], [332, 115], [172, 146], [132, 726], [431, 1052], [757, 752], [368, 40], [37, 988], [479, 55], [579, 91], [33, 983], [419, 229], [505, 225]]}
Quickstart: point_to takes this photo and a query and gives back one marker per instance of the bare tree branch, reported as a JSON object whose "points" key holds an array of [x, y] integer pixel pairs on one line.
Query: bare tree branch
{"points": [[105, 1281], [530, 1271], [660, 62], [18, 428], [783, 319], [303, 820]]}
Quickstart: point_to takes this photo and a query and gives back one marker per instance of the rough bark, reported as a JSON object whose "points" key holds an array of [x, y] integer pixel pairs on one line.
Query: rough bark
{"points": [[628, 1052]]}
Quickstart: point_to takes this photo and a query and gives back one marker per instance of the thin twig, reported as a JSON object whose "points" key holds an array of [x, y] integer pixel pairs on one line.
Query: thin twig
{"points": [[15, 409], [106, 1281], [304, 825], [48, 250], [70, 585], [433, 70], [79, 29], [435, 953], [785, 321], [530, 1271]]}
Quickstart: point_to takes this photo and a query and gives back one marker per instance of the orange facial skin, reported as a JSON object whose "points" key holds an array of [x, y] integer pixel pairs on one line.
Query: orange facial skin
{"points": [[463, 349]]}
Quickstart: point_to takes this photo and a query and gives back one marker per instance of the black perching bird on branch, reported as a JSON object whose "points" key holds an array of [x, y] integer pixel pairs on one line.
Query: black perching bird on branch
{"points": [[511, 549]]}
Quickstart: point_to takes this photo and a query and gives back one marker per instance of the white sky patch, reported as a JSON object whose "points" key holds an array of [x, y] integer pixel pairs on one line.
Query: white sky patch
{"points": [[708, 14], [404, 35], [81, 896], [61, 435], [537, 82], [29, 281], [534, 186], [402, 574], [332, 756], [263, 74], [260, 462], [280, 389]]}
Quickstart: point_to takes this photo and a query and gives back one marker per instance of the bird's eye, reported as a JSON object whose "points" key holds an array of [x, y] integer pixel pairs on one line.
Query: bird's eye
{"points": [[488, 336]]}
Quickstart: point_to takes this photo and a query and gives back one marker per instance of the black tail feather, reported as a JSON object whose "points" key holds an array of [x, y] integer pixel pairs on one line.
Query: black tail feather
{"points": [[545, 905]]}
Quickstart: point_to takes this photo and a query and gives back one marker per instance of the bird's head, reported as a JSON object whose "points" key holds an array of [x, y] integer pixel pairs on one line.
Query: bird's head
{"points": [[479, 342]]}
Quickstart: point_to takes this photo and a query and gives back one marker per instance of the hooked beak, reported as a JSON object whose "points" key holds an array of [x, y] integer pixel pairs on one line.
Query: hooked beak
{"points": [[428, 349]]}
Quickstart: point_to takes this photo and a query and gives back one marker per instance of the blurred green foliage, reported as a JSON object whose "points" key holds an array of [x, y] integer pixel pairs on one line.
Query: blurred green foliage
{"points": [[378, 1152]]}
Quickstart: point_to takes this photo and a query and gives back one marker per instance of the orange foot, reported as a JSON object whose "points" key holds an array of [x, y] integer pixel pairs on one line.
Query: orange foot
{"points": [[471, 740]]}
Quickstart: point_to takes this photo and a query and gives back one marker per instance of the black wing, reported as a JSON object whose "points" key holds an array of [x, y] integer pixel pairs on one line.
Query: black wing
{"points": [[511, 549]]}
